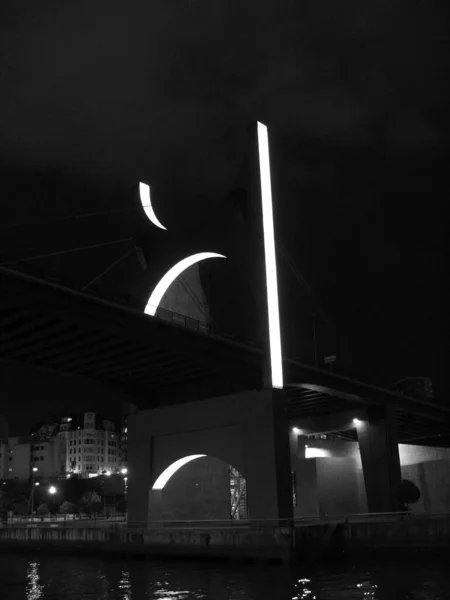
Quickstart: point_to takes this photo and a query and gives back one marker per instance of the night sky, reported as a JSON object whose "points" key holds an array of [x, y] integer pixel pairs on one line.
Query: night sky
{"points": [[96, 97]]}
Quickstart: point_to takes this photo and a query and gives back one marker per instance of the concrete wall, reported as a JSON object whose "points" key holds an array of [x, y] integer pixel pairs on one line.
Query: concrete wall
{"points": [[199, 490], [307, 494], [332, 449], [270, 542], [329, 486], [338, 483], [433, 480], [248, 431], [409, 453]]}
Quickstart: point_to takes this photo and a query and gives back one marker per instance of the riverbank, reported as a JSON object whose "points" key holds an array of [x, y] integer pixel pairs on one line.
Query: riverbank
{"points": [[304, 542]]}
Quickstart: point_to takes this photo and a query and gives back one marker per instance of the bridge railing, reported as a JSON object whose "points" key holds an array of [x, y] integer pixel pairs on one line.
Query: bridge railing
{"points": [[188, 322], [199, 326], [180, 525]]}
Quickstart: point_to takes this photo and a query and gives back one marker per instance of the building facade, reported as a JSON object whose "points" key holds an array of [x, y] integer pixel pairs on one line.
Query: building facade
{"points": [[85, 445], [15, 458], [91, 445]]}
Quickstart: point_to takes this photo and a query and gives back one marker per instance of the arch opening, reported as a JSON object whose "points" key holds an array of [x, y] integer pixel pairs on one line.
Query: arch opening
{"points": [[174, 272], [162, 480], [193, 489]]}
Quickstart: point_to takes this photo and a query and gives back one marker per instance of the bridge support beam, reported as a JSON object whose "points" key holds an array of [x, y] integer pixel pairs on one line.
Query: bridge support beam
{"points": [[248, 431], [380, 459]]}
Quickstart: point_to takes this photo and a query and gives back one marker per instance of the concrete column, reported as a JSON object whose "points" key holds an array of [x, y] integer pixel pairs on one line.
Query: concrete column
{"points": [[380, 459], [139, 473], [267, 458], [249, 431]]}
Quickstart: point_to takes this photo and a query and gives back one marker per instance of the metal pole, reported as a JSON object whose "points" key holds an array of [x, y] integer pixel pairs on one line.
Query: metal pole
{"points": [[33, 473]]}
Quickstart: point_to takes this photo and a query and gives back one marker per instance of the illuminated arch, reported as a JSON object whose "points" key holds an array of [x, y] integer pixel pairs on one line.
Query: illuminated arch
{"points": [[171, 275], [172, 469], [144, 193]]}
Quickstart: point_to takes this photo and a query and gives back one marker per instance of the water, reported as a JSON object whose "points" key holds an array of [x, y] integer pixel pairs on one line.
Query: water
{"points": [[78, 578]]}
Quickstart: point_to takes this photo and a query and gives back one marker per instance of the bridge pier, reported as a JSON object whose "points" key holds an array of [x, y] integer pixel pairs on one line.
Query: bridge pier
{"points": [[378, 448], [248, 431], [378, 445]]}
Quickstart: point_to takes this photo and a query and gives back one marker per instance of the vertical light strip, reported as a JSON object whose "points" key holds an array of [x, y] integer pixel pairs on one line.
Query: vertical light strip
{"points": [[270, 257]]}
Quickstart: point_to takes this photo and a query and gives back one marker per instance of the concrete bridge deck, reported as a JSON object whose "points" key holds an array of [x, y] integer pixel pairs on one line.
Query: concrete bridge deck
{"points": [[159, 361]]}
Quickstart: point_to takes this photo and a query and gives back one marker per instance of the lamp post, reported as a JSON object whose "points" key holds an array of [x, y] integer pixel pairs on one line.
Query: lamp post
{"points": [[33, 484], [125, 480], [52, 492]]}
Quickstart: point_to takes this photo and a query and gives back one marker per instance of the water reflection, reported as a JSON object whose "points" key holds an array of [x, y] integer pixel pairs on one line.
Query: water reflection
{"points": [[34, 590], [74, 578], [125, 586]]}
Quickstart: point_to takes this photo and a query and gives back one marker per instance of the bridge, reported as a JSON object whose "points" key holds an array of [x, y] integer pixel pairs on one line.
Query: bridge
{"points": [[204, 392], [170, 358], [199, 393]]}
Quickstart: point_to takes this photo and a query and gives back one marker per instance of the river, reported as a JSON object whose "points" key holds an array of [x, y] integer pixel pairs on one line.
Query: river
{"points": [[28, 577]]}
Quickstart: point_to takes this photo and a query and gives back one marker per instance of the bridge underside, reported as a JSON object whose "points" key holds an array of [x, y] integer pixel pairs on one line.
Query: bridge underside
{"points": [[157, 362], [321, 412]]}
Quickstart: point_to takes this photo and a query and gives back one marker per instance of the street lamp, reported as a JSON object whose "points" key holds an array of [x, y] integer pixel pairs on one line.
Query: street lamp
{"points": [[33, 484], [125, 480], [52, 491], [124, 471]]}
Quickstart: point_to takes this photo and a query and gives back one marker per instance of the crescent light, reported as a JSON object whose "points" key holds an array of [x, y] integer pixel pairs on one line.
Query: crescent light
{"points": [[171, 275], [144, 193], [173, 468]]}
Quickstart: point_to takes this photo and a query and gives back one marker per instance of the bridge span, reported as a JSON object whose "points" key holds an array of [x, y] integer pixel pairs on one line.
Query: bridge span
{"points": [[198, 393]]}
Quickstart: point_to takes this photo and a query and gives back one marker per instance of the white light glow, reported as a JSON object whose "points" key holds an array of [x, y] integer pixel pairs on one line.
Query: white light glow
{"points": [[52, 490], [270, 257], [173, 468], [144, 193], [356, 422], [296, 430], [124, 471], [171, 275], [317, 453]]}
